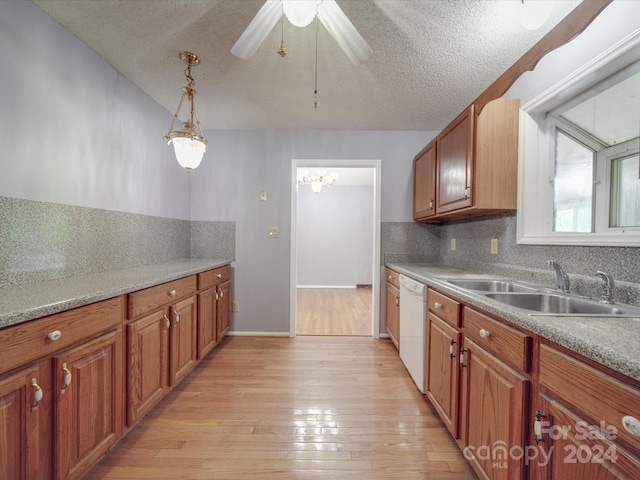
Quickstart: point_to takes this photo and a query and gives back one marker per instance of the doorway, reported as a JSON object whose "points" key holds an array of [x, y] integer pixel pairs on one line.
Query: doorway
{"points": [[334, 284]]}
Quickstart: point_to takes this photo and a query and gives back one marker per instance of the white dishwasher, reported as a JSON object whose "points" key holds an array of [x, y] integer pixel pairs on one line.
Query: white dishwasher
{"points": [[413, 326]]}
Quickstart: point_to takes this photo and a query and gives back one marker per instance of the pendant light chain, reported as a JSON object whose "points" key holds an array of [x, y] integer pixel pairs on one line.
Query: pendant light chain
{"points": [[315, 91]]}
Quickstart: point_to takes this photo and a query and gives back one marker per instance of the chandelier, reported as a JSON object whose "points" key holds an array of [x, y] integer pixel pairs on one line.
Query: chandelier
{"points": [[317, 179], [189, 144]]}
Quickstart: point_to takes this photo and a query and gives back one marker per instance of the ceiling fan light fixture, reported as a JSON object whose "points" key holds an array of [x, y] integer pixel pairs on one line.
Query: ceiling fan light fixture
{"points": [[189, 144], [300, 13], [533, 14]]}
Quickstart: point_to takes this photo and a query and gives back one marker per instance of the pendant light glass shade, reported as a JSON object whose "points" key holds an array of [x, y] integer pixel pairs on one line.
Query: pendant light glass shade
{"points": [[189, 144], [300, 12]]}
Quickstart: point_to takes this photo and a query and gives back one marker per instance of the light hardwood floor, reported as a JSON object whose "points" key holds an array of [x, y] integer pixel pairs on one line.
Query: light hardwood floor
{"points": [[333, 311], [291, 408]]}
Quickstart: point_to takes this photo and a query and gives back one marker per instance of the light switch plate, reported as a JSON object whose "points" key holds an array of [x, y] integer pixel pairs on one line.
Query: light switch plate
{"points": [[272, 232], [263, 196]]}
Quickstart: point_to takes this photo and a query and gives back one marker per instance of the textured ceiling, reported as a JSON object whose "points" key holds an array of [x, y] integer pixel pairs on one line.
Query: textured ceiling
{"points": [[431, 58]]}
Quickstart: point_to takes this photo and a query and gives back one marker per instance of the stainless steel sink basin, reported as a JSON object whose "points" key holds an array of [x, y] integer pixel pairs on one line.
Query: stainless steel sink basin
{"points": [[485, 285], [558, 304]]}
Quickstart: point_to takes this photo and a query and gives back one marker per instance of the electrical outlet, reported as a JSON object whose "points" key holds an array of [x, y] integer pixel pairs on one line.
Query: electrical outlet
{"points": [[235, 306], [453, 244], [494, 246], [272, 232], [263, 196]]}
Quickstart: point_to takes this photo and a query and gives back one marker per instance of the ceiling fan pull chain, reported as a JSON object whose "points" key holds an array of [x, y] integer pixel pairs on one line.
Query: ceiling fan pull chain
{"points": [[282, 51], [315, 91]]}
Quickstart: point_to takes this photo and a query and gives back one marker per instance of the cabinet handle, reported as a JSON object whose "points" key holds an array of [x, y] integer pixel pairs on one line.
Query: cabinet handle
{"points": [[219, 275], [217, 296], [467, 192], [537, 427], [437, 305], [176, 316], [67, 378], [430, 203], [221, 294], [37, 395], [172, 293], [55, 335], [451, 354], [462, 352], [397, 301], [631, 425], [485, 333], [167, 322]]}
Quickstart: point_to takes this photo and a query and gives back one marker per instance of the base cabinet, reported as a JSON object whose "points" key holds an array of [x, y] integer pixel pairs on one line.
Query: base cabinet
{"points": [[88, 404], [393, 307], [25, 416], [494, 400], [214, 308]]}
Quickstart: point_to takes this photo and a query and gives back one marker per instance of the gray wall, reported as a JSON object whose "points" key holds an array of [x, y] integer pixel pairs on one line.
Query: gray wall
{"points": [[335, 235]]}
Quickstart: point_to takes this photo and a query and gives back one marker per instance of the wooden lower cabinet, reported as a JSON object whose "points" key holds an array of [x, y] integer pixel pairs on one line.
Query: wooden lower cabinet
{"points": [[183, 339], [88, 404], [223, 310], [147, 363], [442, 389], [25, 417], [393, 314], [493, 418]]}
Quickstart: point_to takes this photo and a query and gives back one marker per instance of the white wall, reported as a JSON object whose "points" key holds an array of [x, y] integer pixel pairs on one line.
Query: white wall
{"points": [[240, 164], [334, 235], [74, 130]]}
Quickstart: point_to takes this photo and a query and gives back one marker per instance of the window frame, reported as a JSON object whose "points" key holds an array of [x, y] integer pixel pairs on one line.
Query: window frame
{"points": [[537, 157]]}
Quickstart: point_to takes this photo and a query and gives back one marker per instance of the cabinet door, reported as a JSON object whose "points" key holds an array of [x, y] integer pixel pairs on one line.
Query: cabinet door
{"points": [[424, 183], [574, 448], [88, 403], [183, 350], [206, 321], [25, 424], [393, 314], [147, 363], [443, 386], [493, 414], [455, 156], [223, 311]]}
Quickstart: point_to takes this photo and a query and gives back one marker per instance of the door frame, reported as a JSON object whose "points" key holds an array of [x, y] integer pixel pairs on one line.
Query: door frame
{"points": [[375, 261]]}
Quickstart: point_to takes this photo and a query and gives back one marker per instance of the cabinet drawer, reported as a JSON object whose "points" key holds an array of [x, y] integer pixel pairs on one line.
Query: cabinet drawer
{"points": [[144, 301], [596, 395], [214, 277], [392, 278], [510, 345], [29, 341], [444, 307]]}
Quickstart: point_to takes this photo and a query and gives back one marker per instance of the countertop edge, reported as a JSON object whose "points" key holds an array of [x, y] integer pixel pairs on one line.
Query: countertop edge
{"points": [[27, 302], [590, 337]]}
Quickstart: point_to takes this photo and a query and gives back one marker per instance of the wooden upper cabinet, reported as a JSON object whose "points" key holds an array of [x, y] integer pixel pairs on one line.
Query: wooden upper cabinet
{"points": [[455, 156], [476, 165], [424, 183]]}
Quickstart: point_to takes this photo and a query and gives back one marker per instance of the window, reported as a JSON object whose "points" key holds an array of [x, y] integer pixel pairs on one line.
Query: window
{"points": [[579, 179]]}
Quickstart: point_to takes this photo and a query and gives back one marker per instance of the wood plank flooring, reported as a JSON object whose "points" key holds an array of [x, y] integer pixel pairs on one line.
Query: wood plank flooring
{"points": [[333, 311], [291, 408]]}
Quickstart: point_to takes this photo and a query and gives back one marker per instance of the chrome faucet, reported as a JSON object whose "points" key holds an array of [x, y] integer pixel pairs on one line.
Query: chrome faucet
{"points": [[607, 287], [562, 279]]}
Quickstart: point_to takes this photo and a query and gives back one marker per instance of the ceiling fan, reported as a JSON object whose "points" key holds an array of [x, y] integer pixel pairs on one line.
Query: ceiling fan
{"points": [[329, 14]]}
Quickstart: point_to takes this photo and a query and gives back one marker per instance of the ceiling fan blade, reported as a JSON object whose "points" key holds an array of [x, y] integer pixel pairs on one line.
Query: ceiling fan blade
{"points": [[258, 29], [343, 32]]}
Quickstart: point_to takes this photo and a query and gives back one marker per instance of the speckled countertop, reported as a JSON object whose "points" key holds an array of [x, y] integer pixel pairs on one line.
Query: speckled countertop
{"points": [[610, 341], [27, 302]]}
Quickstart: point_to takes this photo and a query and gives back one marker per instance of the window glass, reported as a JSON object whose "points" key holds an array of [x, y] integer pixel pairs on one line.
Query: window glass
{"points": [[573, 185], [625, 192]]}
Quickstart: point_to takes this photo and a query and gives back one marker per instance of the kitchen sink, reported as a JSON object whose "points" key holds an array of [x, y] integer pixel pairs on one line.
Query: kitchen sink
{"points": [[559, 304], [485, 285]]}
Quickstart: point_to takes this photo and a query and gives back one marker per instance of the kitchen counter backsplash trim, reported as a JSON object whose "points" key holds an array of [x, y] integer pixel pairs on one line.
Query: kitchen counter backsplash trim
{"points": [[27, 302], [612, 342]]}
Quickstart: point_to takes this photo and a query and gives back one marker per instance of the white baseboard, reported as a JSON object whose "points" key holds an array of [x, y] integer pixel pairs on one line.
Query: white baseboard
{"points": [[258, 334], [326, 286]]}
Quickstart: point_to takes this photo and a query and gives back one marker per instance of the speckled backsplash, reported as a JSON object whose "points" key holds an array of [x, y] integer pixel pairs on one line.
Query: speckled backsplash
{"points": [[409, 242], [213, 240], [43, 241], [527, 262]]}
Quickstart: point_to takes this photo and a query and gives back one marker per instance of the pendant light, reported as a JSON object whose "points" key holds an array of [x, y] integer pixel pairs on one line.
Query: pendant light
{"points": [[189, 144]]}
